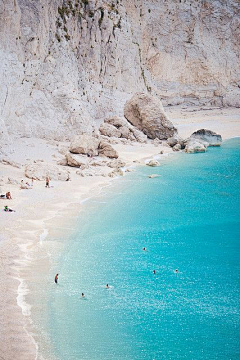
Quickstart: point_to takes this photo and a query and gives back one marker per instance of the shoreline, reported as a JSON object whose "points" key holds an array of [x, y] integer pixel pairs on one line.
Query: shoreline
{"points": [[36, 219]]}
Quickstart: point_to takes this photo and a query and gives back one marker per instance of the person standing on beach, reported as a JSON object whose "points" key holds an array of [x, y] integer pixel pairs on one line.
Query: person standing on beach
{"points": [[56, 279], [47, 182]]}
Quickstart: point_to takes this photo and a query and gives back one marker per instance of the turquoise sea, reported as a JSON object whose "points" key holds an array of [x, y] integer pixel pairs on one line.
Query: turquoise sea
{"points": [[188, 219]]}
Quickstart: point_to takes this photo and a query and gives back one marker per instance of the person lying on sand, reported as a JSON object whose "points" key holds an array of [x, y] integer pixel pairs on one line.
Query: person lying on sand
{"points": [[7, 209]]}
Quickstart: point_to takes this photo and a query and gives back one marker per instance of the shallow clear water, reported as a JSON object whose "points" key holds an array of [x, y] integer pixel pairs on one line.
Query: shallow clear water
{"points": [[188, 219]]}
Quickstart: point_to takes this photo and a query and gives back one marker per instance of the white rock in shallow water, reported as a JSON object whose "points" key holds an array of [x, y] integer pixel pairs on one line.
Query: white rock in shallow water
{"points": [[116, 172], [195, 146], [177, 147], [152, 163]]}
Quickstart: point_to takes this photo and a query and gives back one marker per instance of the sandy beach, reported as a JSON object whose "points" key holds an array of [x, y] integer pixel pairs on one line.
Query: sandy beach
{"points": [[42, 212]]}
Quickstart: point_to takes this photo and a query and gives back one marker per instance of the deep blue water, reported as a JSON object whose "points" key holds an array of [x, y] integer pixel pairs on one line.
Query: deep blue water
{"points": [[188, 219]]}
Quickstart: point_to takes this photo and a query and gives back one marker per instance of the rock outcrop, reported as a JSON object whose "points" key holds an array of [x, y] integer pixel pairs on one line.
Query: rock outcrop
{"points": [[208, 136], [85, 144], [152, 163], [39, 171], [64, 68], [105, 149], [147, 114], [76, 160], [119, 127], [116, 172], [195, 146], [117, 163], [109, 130]]}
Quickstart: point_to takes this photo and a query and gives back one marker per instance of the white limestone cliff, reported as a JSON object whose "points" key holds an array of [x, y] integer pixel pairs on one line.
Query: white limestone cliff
{"points": [[65, 66]]}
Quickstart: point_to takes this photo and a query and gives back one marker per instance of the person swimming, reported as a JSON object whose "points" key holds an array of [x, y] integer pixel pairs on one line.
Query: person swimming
{"points": [[176, 271], [107, 286], [56, 279], [154, 272], [82, 295], [144, 249]]}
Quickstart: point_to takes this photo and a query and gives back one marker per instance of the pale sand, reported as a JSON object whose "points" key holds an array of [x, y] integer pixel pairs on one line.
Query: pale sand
{"points": [[41, 212]]}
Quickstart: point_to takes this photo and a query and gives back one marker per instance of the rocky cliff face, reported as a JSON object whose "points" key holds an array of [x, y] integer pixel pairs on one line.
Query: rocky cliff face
{"points": [[67, 65]]}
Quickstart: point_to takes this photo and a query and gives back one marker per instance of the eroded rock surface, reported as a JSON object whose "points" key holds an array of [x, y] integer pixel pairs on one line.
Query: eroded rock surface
{"points": [[208, 136], [119, 127], [39, 171], [64, 69]]}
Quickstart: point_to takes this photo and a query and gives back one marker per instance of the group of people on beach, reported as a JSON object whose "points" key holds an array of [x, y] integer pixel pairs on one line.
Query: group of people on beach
{"points": [[23, 185], [7, 196]]}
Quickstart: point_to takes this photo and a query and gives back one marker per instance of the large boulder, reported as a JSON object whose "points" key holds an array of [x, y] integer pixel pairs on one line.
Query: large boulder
{"points": [[106, 149], [85, 144], [39, 171], [195, 146], [76, 160], [147, 114], [208, 136]]}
